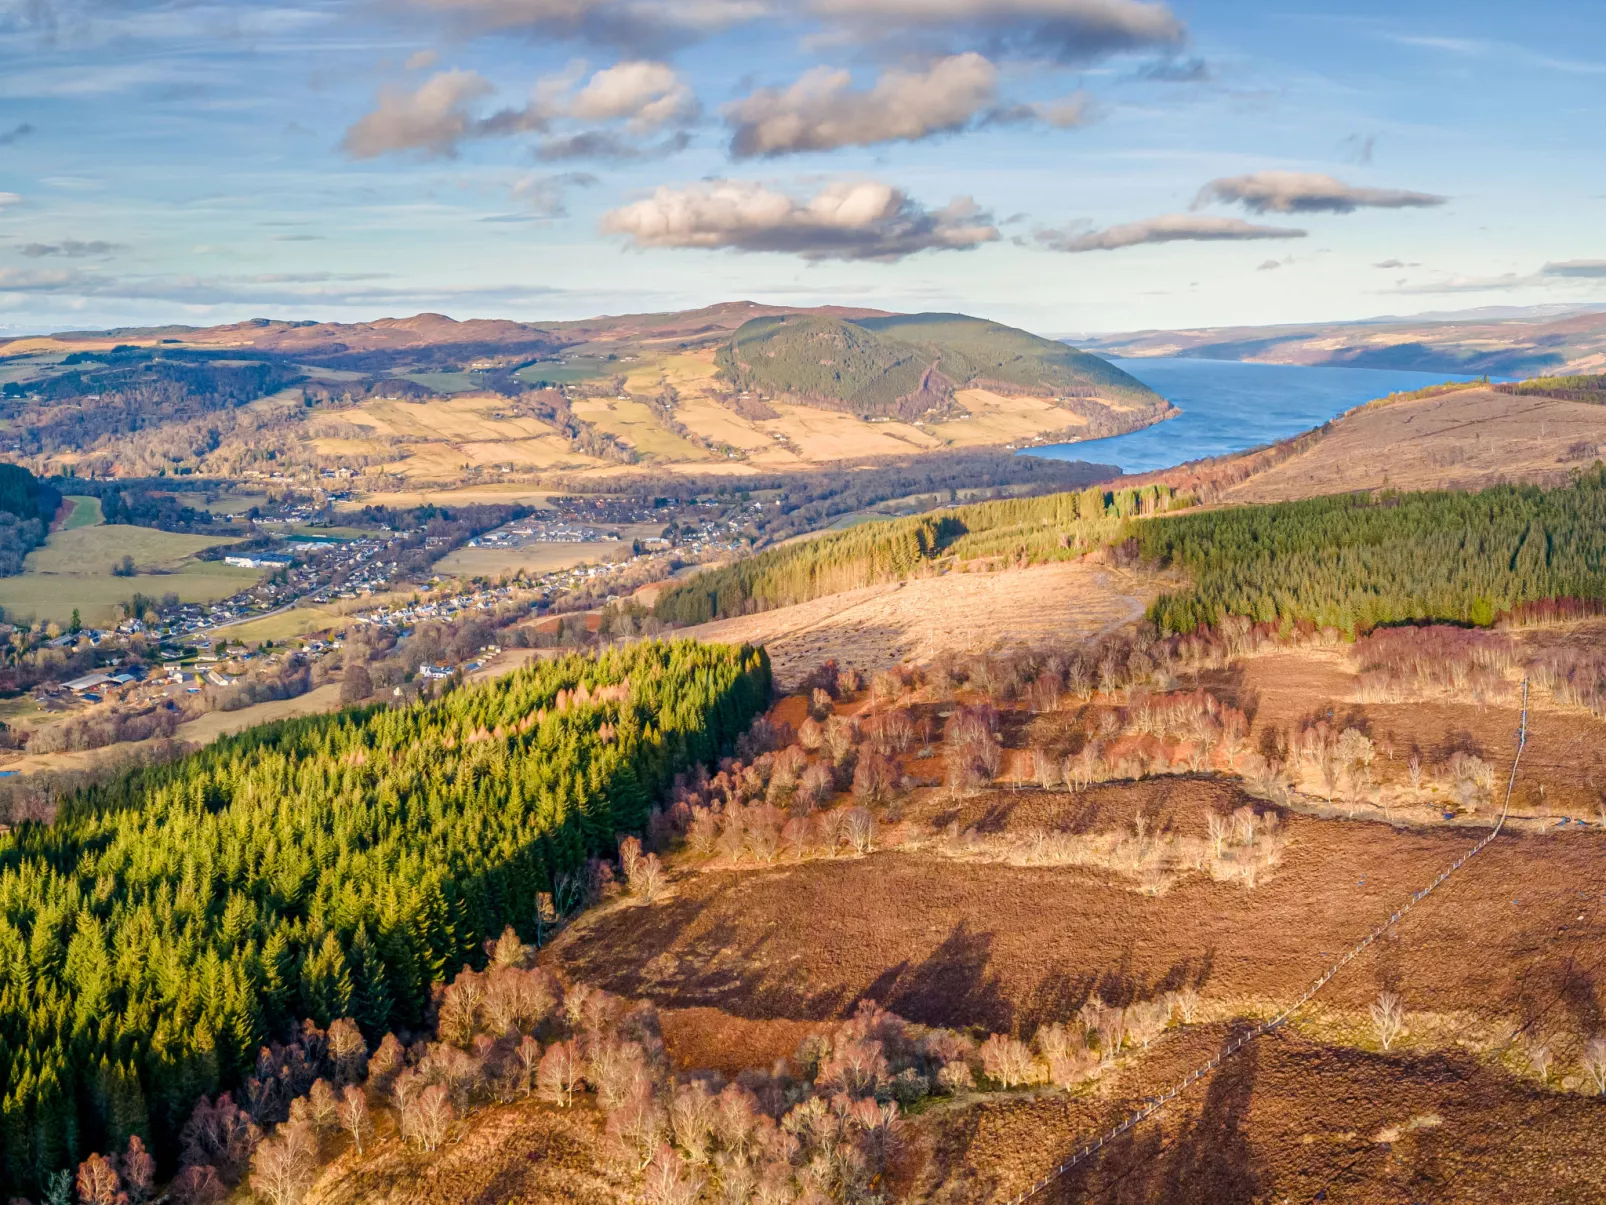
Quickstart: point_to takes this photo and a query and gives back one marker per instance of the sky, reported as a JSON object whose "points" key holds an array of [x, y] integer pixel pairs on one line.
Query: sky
{"points": [[1067, 166]]}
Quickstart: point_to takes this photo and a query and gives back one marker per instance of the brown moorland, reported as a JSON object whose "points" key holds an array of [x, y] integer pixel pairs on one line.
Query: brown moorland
{"points": [[1468, 439], [882, 626]]}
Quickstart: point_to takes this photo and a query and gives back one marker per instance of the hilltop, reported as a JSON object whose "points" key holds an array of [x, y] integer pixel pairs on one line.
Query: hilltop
{"points": [[912, 367]]}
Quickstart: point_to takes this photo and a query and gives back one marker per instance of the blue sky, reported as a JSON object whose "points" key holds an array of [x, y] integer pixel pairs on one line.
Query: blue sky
{"points": [[1065, 165]]}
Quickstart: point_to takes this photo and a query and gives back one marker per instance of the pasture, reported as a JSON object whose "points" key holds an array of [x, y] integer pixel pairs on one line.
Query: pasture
{"points": [[86, 512], [73, 571]]}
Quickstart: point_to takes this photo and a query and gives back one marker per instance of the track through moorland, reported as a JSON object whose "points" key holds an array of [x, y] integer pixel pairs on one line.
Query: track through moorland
{"points": [[1154, 1104]]}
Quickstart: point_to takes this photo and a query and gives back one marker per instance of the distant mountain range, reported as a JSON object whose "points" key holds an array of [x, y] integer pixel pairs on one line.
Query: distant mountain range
{"points": [[1518, 345]]}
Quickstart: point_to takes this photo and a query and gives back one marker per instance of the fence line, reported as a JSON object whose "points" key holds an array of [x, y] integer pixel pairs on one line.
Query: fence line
{"points": [[1155, 1104]]}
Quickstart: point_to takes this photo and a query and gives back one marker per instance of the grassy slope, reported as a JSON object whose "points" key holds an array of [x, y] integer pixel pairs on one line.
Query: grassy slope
{"points": [[86, 512], [869, 366]]}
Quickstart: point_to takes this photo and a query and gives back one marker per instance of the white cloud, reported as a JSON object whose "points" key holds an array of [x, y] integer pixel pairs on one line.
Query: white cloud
{"points": [[646, 95], [433, 119], [9, 198], [439, 115], [850, 221], [1307, 192], [1169, 228], [823, 110]]}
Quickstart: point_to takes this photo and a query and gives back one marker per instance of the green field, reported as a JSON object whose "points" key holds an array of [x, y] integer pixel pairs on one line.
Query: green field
{"points": [[570, 372], [86, 512], [73, 571], [81, 550], [287, 625], [96, 596], [444, 382]]}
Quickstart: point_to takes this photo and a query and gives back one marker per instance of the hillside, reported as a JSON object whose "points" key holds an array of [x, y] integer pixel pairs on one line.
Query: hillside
{"points": [[1510, 346], [430, 401], [911, 367]]}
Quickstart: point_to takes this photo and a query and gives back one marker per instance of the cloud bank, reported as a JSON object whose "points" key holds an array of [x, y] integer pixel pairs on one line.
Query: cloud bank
{"points": [[846, 221], [438, 116], [68, 248], [1307, 192], [1169, 228], [823, 110], [1577, 269], [1065, 30]]}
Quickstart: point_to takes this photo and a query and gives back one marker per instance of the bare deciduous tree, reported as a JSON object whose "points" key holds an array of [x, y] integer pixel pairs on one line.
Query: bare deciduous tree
{"points": [[1185, 1002], [354, 1117], [860, 828], [139, 1171], [1008, 1061], [285, 1165], [669, 1180], [98, 1181], [1594, 1063], [629, 857], [429, 1120], [1388, 1018], [1540, 1056], [558, 1075], [1045, 768]]}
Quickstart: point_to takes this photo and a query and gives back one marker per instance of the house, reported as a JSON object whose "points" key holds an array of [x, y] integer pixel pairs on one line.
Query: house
{"points": [[260, 560], [434, 671]]}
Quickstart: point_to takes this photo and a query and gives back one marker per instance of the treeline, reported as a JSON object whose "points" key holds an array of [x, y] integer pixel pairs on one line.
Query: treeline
{"points": [[1018, 530], [1590, 389], [1357, 562], [142, 503], [72, 411], [807, 501], [26, 507], [173, 921]]}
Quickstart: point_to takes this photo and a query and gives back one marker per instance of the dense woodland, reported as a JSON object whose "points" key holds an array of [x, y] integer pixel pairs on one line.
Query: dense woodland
{"points": [[26, 508], [1357, 562], [1016, 530], [170, 923]]}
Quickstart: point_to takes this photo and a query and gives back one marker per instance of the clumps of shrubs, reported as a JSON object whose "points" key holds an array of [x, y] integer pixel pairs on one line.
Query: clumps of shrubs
{"points": [[1401, 664], [775, 807], [1244, 846], [822, 1127]]}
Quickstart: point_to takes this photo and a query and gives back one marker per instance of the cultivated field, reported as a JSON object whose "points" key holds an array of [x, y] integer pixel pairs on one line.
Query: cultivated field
{"points": [[882, 626]]}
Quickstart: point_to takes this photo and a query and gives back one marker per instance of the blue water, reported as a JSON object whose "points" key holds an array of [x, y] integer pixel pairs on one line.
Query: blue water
{"points": [[1228, 406]]}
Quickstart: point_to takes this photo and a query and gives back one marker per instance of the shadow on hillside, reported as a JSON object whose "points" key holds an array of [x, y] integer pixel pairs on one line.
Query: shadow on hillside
{"points": [[1208, 1158]]}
